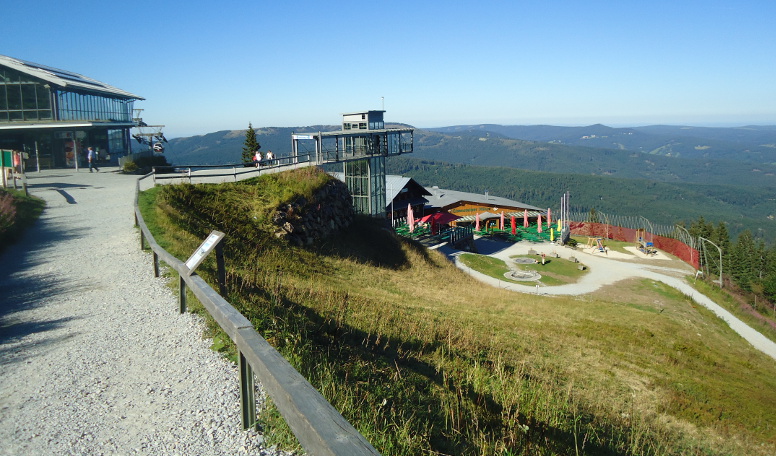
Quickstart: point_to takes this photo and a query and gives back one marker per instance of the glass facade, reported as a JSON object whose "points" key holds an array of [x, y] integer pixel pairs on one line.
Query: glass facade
{"points": [[23, 98], [366, 181], [81, 106]]}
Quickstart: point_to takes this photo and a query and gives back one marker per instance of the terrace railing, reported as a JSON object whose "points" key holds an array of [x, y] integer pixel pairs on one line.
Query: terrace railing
{"points": [[320, 428]]}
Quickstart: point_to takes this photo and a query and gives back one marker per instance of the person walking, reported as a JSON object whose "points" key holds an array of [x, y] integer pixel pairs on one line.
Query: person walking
{"points": [[91, 156]]}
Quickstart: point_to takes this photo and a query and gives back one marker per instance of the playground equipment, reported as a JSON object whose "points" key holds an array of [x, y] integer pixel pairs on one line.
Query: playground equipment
{"points": [[645, 245], [597, 244]]}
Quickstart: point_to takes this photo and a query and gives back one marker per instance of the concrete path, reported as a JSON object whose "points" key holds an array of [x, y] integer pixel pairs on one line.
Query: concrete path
{"points": [[607, 269], [94, 356]]}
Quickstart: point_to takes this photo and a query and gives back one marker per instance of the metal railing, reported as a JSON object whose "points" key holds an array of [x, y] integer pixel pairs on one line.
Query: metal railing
{"points": [[226, 173], [318, 426]]}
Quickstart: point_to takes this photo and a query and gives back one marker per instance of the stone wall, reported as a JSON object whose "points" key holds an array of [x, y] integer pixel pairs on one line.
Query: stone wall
{"points": [[303, 222]]}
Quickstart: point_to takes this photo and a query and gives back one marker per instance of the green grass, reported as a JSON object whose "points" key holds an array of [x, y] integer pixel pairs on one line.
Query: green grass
{"points": [[763, 320], [554, 271], [423, 359]]}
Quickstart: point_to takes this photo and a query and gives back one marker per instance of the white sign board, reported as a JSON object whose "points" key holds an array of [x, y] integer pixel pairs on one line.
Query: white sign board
{"points": [[303, 136], [203, 250]]}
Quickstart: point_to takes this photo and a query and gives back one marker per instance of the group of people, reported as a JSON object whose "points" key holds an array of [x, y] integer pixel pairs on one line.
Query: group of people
{"points": [[257, 159]]}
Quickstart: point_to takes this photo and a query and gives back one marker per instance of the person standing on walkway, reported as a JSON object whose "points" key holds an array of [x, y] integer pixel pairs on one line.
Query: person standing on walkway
{"points": [[92, 158]]}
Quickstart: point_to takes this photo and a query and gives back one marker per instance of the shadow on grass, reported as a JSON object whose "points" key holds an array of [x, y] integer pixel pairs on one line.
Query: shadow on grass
{"points": [[380, 366]]}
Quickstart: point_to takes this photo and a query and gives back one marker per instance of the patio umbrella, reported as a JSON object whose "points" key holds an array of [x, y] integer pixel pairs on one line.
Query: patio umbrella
{"points": [[539, 224], [549, 217], [525, 218], [441, 218], [477, 222], [410, 218], [514, 228], [502, 220]]}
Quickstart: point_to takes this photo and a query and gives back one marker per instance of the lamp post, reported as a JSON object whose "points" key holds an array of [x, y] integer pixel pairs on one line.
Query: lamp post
{"points": [[689, 238], [720, 258]]}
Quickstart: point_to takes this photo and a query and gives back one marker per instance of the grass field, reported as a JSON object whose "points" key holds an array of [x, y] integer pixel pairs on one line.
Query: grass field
{"points": [[423, 359]]}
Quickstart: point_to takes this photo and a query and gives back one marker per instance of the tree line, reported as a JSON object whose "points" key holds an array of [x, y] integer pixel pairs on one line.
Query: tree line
{"points": [[747, 263]]}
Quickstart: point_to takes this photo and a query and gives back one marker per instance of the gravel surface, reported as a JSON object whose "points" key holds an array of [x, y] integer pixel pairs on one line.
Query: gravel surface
{"points": [[94, 357]]}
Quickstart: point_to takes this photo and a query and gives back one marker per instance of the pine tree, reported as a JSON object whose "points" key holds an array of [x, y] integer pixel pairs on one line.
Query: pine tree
{"points": [[251, 144], [744, 260], [721, 237]]}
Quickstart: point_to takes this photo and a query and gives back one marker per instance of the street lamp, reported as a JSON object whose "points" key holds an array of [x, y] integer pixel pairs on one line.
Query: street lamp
{"points": [[720, 258]]}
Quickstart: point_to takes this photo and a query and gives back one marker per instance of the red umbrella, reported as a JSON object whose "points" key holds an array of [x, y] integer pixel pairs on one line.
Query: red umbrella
{"points": [[502, 220], [410, 218], [514, 230], [525, 218], [549, 217], [441, 218], [477, 222], [539, 224]]}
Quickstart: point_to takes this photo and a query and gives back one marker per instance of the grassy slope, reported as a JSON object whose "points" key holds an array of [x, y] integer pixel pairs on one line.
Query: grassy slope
{"points": [[423, 358]]}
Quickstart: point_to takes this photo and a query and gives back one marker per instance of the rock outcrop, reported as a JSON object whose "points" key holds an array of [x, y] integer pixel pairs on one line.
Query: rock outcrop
{"points": [[303, 222]]}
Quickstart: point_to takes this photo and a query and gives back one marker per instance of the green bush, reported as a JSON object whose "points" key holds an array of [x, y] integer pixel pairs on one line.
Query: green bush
{"points": [[143, 165]]}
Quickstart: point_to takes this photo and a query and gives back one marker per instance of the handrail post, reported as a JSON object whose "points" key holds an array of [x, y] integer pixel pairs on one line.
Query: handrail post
{"points": [[247, 390], [156, 264], [221, 269], [182, 293]]}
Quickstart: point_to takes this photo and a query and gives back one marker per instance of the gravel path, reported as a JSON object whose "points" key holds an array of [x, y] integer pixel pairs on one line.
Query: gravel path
{"points": [[94, 357], [606, 270]]}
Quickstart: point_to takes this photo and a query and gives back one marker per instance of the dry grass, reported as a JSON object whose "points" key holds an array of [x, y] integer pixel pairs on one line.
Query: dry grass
{"points": [[423, 358]]}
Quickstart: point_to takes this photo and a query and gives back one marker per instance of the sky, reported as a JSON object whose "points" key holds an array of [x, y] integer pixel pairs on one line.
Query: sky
{"points": [[205, 66]]}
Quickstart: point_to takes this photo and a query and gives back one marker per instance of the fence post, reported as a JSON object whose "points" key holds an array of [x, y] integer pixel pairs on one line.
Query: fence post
{"points": [[247, 399], [182, 293], [142, 240], [221, 269], [156, 264]]}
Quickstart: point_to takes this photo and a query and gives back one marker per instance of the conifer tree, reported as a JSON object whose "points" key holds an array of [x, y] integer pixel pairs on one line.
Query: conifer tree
{"points": [[251, 144]]}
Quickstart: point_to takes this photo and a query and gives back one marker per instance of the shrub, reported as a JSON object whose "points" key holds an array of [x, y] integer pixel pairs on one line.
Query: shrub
{"points": [[7, 212], [143, 165]]}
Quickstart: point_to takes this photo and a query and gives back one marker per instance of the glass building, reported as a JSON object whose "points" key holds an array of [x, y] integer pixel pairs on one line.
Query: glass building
{"points": [[54, 115], [362, 146]]}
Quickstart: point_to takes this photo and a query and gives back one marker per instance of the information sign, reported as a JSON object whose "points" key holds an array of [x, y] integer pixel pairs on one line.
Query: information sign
{"points": [[203, 250]]}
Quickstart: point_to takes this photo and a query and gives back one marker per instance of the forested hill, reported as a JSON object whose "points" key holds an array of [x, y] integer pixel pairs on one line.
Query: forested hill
{"points": [[755, 144], [493, 149], [663, 203]]}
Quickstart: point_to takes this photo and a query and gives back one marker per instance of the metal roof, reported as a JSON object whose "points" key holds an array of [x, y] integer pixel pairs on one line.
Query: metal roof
{"points": [[442, 197], [64, 79]]}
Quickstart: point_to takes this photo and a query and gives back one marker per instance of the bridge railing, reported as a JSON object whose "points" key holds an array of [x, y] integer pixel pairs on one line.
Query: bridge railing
{"points": [[318, 426], [229, 172]]}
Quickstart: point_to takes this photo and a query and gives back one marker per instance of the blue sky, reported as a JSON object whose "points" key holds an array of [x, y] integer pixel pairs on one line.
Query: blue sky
{"points": [[204, 66]]}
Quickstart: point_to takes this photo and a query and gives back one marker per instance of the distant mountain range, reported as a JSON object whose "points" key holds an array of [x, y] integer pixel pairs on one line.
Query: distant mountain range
{"points": [[724, 174], [755, 144]]}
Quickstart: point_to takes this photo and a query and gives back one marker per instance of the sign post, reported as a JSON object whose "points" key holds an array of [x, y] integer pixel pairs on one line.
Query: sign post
{"points": [[203, 250], [196, 258]]}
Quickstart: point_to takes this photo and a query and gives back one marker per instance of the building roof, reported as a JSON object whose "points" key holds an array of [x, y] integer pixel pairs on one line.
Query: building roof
{"points": [[394, 185], [64, 79], [441, 198]]}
